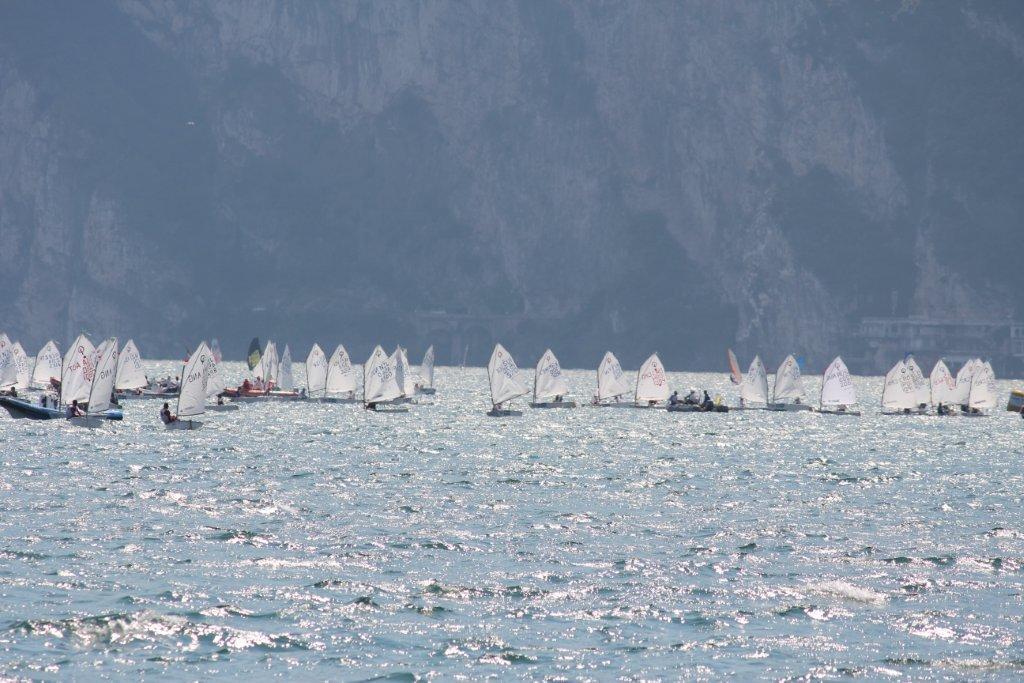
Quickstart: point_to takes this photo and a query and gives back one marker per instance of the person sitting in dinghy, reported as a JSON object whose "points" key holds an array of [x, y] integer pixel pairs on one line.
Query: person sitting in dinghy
{"points": [[73, 410], [692, 398], [707, 404], [674, 398], [165, 415]]}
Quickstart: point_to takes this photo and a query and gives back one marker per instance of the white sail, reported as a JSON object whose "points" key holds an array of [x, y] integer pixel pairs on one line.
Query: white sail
{"points": [[270, 365], [215, 382], [47, 365], [8, 367], [106, 373], [651, 382], [316, 371], [734, 368], [77, 371], [192, 399], [406, 380], [548, 380], [503, 375], [341, 376], [427, 369], [837, 386], [130, 373], [983, 387], [788, 384], [921, 393], [611, 380], [24, 366], [380, 382], [215, 351], [285, 379], [943, 385], [755, 384], [900, 390], [962, 393]]}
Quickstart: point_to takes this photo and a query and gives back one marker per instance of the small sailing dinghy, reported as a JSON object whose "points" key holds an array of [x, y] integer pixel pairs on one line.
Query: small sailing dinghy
{"points": [[754, 388], [652, 388], [23, 367], [549, 385], [192, 399], [380, 383], [612, 384], [285, 379], [943, 389], [503, 376], [102, 387], [403, 376], [983, 390], [899, 394], [131, 376], [215, 387], [47, 366], [340, 381], [838, 395], [425, 385], [788, 394], [921, 393], [316, 372], [962, 393], [8, 365]]}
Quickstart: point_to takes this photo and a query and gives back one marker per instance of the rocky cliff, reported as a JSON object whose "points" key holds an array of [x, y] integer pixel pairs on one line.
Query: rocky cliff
{"points": [[678, 176]]}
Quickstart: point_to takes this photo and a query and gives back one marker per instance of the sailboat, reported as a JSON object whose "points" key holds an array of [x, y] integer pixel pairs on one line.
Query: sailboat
{"points": [[983, 390], [316, 372], [503, 377], [101, 389], [23, 367], [651, 384], [943, 389], [47, 366], [340, 381], [734, 368], [754, 388], [921, 393], [426, 383], [612, 383], [216, 386], [192, 399], [380, 383], [962, 392], [131, 376], [788, 394], [403, 376], [549, 385], [77, 372], [838, 395], [899, 394], [285, 379]]}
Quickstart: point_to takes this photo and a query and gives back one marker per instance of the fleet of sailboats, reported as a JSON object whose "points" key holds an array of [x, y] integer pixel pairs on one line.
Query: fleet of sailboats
{"points": [[91, 377]]}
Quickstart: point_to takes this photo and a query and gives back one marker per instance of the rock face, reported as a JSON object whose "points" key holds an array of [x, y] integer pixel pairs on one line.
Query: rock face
{"points": [[677, 176]]}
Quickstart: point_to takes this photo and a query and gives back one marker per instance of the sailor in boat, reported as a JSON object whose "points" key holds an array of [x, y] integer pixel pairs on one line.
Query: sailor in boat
{"points": [[246, 386], [371, 406], [220, 400], [12, 392], [941, 409], [692, 398], [674, 398], [73, 410], [707, 404], [165, 415]]}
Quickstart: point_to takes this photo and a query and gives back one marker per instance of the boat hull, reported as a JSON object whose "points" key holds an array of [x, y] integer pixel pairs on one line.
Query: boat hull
{"points": [[553, 404], [388, 408], [183, 425], [829, 411], [145, 393], [333, 399], [426, 391], [618, 404], [788, 407], [23, 409], [494, 412]]}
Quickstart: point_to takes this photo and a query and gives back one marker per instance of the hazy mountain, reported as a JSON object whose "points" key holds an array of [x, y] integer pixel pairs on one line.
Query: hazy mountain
{"points": [[678, 176]]}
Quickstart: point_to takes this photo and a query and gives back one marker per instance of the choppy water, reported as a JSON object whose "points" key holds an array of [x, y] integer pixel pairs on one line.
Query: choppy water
{"points": [[322, 541]]}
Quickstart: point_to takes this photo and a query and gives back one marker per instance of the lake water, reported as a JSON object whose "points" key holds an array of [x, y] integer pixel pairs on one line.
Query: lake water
{"points": [[323, 541]]}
